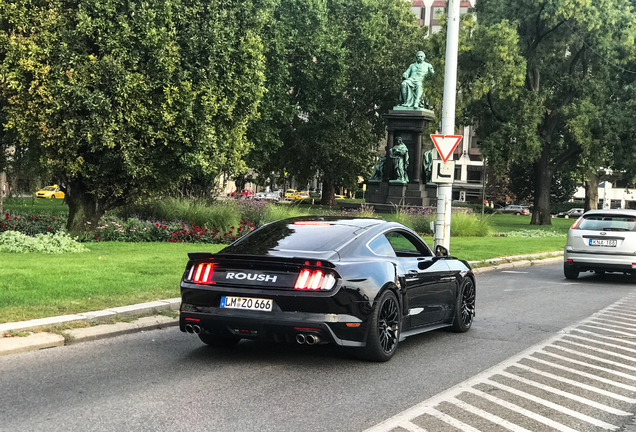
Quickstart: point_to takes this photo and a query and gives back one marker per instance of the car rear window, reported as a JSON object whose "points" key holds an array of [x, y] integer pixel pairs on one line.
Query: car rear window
{"points": [[607, 222], [280, 236]]}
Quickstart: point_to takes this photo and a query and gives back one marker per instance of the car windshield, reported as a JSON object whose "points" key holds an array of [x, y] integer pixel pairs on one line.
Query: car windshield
{"points": [[48, 188], [608, 222]]}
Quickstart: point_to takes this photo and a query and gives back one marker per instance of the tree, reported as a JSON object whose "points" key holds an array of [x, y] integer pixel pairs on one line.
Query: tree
{"points": [[126, 98], [569, 53], [333, 69]]}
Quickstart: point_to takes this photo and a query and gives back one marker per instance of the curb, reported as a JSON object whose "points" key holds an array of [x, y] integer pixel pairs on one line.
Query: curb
{"points": [[38, 341]]}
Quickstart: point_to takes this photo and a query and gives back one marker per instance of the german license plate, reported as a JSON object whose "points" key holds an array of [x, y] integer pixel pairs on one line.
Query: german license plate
{"points": [[246, 303], [603, 242]]}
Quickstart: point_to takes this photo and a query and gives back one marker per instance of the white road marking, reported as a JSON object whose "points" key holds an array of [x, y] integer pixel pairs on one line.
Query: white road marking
{"points": [[513, 271], [605, 333]]}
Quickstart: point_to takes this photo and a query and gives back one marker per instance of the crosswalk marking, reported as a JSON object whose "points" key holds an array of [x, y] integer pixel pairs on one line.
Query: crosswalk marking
{"points": [[596, 356], [564, 394]]}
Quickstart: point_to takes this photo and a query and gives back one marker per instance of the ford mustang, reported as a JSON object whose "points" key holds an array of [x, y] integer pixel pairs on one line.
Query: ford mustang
{"points": [[353, 282]]}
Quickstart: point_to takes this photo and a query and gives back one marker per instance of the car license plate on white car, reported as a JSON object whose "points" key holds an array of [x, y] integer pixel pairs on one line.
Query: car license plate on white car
{"points": [[246, 303], [603, 242]]}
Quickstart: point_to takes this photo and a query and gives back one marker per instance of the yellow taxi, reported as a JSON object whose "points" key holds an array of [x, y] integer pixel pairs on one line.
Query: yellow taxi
{"points": [[51, 192], [339, 196], [301, 195], [289, 193]]}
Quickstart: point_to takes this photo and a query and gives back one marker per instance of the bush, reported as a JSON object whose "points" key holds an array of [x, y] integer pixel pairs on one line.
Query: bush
{"points": [[16, 242], [463, 225], [32, 224], [137, 230]]}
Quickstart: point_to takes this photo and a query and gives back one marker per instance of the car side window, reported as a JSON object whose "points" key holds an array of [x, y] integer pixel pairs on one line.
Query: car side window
{"points": [[404, 246], [381, 246]]}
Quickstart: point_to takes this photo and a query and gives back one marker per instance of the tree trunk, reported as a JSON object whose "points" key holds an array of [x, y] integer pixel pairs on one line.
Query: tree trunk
{"points": [[2, 183], [543, 173], [591, 191], [84, 210], [328, 193]]}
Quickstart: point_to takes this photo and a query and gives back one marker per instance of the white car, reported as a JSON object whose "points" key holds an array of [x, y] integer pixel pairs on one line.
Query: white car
{"points": [[600, 241]]}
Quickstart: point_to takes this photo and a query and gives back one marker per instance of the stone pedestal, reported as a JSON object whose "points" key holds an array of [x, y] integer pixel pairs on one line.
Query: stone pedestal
{"points": [[409, 124]]}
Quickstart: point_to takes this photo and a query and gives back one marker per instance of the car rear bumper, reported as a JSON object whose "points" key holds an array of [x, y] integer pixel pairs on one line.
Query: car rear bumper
{"points": [[279, 326], [584, 261]]}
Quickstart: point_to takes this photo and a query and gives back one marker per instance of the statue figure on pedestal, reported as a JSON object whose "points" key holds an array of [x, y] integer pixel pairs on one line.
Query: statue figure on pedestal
{"points": [[411, 87], [378, 169], [427, 162], [400, 157]]}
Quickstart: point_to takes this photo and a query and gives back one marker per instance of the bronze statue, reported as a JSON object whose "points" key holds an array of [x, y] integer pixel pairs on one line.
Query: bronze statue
{"points": [[411, 87], [400, 157], [378, 169]]}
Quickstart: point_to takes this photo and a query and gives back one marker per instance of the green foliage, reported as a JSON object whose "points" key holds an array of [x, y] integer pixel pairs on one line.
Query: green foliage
{"points": [[529, 233], [541, 78], [333, 69], [16, 242], [123, 98], [32, 224]]}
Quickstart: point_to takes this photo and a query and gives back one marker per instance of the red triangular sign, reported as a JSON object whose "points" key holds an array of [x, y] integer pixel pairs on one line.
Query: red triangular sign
{"points": [[446, 144]]}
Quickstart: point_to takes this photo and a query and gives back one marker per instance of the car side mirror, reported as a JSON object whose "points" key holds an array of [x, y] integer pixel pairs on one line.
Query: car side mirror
{"points": [[441, 251]]}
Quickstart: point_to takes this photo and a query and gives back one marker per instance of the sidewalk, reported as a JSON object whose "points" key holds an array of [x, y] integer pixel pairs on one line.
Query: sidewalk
{"points": [[43, 340]]}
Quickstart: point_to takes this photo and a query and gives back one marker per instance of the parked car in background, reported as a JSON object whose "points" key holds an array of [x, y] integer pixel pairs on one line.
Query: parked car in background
{"points": [[243, 193], [267, 196], [600, 241], [289, 193], [340, 196], [301, 195], [518, 210], [51, 192], [572, 213]]}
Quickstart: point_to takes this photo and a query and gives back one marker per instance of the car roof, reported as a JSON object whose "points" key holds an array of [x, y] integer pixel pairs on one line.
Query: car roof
{"points": [[624, 212], [317, 236]]}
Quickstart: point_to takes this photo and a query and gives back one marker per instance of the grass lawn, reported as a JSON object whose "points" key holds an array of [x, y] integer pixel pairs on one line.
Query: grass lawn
{"points": [[117, 274], [35, 206], [111, 274]]}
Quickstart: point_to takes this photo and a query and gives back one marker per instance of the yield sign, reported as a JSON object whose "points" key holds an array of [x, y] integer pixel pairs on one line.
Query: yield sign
{"points": [[446, 144]]}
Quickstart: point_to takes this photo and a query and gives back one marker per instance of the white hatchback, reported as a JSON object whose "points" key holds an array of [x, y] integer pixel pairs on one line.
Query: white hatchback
{"points": [[600, 241]]}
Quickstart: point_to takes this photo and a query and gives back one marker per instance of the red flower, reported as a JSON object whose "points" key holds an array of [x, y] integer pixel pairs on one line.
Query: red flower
{"points": [[96, 236], [32, 218], [233, 238], [157, 224], [6, 216], [232, 227], [15, 218], [242, 223], [182, 226], [163, 220], [48, 228], [165, 226]]}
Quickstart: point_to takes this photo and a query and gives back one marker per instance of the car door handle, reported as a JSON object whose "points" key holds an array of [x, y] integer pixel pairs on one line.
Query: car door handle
{"points": [[413, 272]]}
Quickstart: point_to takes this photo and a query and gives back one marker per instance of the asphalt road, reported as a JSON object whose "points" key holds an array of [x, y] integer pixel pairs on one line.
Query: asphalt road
{"points": [[165, 380]]}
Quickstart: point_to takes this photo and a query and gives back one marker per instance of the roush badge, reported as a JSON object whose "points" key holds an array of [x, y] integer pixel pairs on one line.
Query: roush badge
{"points": [[260, 277]]}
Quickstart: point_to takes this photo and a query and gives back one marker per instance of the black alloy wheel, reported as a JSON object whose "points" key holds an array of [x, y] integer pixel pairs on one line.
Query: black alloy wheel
{"points": [[219, 341], [384, 329], [465, 308]]}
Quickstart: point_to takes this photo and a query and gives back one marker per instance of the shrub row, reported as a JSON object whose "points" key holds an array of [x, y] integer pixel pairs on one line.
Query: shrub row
{"points": [[32, 224], [16, 242]]}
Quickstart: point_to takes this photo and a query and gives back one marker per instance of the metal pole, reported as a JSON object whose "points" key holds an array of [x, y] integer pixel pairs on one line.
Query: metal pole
{"points": [[445, 191]]}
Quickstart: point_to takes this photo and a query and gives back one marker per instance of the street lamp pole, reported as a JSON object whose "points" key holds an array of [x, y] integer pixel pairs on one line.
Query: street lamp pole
{"points": [[445, 190]]}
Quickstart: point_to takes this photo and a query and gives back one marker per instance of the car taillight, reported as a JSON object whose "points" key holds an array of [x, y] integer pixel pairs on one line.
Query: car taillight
{"points": [[314, 280], [202, 273], [575, 224]]}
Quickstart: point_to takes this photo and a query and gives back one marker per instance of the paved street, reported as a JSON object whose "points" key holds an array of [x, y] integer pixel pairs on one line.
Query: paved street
{"points": [[525, 373]]}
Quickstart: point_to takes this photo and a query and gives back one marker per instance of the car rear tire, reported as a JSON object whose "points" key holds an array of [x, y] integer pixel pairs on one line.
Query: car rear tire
{"points": [[567, 216], [219, 341], [465, 307], [518, 214], [570, 272], [384, 328]]}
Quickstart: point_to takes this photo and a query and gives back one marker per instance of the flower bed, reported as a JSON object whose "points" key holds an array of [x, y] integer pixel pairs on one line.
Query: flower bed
{"points": [[32, 224]]}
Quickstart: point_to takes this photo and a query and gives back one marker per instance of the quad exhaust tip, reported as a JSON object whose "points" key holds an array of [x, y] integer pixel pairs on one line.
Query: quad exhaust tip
{"points": [[189, 328]]}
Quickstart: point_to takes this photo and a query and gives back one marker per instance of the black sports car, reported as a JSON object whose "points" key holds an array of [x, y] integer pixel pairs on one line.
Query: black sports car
{"points": [[363, 283]]}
